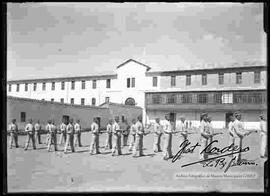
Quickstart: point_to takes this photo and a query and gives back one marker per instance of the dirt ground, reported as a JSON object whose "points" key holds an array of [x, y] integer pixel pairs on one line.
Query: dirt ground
{"points": [[42, 171]]}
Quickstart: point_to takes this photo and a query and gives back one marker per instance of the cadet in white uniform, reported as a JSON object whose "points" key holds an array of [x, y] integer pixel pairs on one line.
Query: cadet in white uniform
{"points": [[70, 133], [77, 134], [116, 137], [108, 144], [157, 135], [13, 129], [205, 135], [53, 137], [125, 132], [29, 129], [63, 135], [182, 127], [263, 133], [132, 135], [167, 130], [47, 128], [232, 134], [95, 137], [37, 132], [139, 137]]}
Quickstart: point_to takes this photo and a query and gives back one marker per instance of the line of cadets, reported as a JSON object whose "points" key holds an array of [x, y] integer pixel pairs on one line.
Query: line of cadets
{"points": [[71, 135]]}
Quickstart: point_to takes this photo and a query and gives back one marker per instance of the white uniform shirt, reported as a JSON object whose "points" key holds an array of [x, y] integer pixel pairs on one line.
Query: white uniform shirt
{"points": [[133, 129], [263, 127], [139, 128], [167, 127], [238, 127], [37, 127], [157, 128], [182, 126], [115, 127], [109, 128], [63, 127], [203, 127], [48, 127], [210, 128], [77, 127], [70, 128], [29, 128], [94, 127], [53, 128], [13, 128], [231, 129]]}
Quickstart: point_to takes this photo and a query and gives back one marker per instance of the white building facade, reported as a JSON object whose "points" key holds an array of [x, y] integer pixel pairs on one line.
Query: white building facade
{"points": [[218, 91]]}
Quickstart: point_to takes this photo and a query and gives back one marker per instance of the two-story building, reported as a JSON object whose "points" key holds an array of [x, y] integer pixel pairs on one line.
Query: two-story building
{"points": [[218, 91]]}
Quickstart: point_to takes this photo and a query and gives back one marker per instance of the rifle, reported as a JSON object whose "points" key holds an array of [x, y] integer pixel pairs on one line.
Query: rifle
{"points": [[251, 131]]}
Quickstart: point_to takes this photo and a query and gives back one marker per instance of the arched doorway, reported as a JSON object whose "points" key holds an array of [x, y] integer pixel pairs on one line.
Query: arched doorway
{"points": [[130, 101]]}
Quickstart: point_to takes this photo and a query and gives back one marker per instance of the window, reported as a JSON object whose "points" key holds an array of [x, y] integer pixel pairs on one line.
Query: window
{"points": [[72, 100], [238, 78], [107, 99], [62, 100], [128, 82], [25, 87], [94, 84], [23, 116], [217, 98], [43, 86], [187, 98], [257, 77], [108, 83], [9, 87], [52, 100], [155, 81], [62, 85], [93, 101], [53, 86], [204, 79], [18, 88], [72, 85], [255, 98], [227, 98], [82, 101], [35, 87], [132, 82], [188, 80], [171, 98], [172, 80], [203, 98], [156, 99], [221, 78], [83, 84]]}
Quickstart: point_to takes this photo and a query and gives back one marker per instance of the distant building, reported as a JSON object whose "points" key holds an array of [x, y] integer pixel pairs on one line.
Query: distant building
{"points": [[218, 91]]}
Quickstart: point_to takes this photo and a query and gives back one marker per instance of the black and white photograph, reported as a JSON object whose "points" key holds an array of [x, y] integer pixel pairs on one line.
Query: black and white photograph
{"points": [[135, 97]]}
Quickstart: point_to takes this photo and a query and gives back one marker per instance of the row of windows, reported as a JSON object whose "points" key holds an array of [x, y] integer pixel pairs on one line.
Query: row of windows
{"points": [[94, 85], [72, 100], [257, 79], [208, 98]]}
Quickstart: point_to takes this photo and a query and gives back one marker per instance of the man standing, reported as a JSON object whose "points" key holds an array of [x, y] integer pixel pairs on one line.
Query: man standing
{"points": [[53, 137], [29, 129], [63, 135], [205, 135], [48, 128], [132, 137], [157, 135], [95, 137], [77, 128], [183, 128], [116, 137], [232, 134], [13, 129], [70, 133], [263, 136], [37, 132], [167, 129], [125, 132], [139, 137], [109, 135]]}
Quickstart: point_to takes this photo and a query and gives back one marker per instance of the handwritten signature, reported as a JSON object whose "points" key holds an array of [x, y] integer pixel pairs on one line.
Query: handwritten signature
{"points": [[218, 161]]}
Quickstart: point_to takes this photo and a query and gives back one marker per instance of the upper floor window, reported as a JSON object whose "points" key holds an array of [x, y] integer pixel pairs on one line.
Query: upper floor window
{"points": [[43, 86], [188, 80], [221, 78], [108, 83], [72, 100], [18, 88], [82, 101], [107, 99], [72, 85], [257, 77], [53, 86], [93, 101], [26, 87], [62, 100], [172, 80], [35, 87], [132, 82], [94, 84], [154, 81], [204, 79], [238, 78], [62, 85], [83, 84], [128, 82], [9, 87]]}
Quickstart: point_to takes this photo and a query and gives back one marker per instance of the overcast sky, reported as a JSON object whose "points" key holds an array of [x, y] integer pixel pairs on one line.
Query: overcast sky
{"points": [[73, 39]]}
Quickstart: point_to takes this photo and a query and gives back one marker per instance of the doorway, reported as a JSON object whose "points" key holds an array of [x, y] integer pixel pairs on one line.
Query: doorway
{"points": [[227, 118]]}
